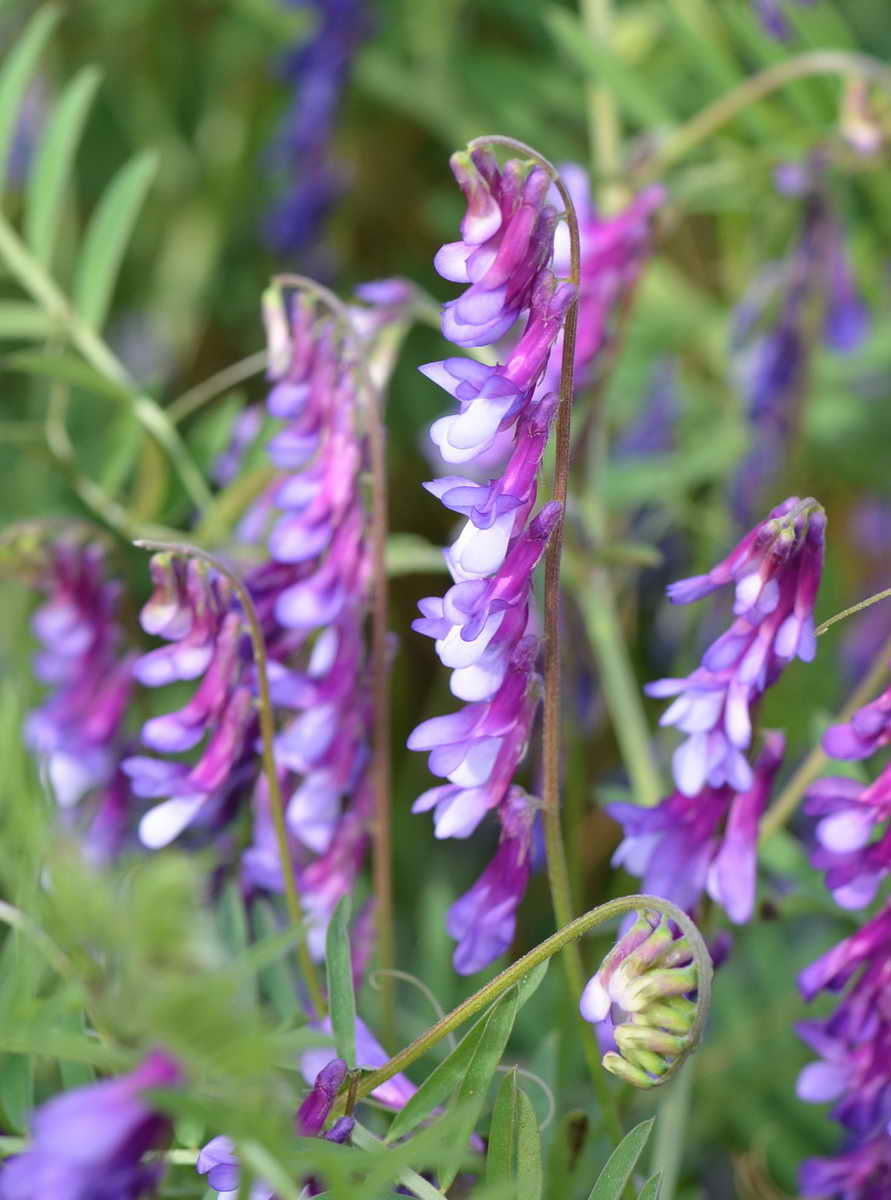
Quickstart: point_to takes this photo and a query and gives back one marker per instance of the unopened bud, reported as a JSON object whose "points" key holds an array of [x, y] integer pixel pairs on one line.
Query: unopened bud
{"points": [[278, 337]]}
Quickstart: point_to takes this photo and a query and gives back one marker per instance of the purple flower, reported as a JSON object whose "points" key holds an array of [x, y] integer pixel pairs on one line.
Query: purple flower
{"points": [[853, 1071], [219, 1162], [192, 608], [244, 432], [311, 598], [394, 1093], [776, 571], [706, 842], [88, 1144], [319, 71], [773, 19], [77, 732], [483, 920]]}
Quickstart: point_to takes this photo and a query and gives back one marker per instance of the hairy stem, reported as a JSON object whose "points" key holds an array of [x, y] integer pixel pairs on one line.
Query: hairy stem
{"points": [[381, 830], [710, 119], [558, 941], [40, 286], [789, 798], [202, 393], [849, 612], [267, 734]]}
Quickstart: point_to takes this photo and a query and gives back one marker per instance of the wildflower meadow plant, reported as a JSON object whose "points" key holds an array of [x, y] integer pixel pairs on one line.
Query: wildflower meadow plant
{"points": [[235, 960]]}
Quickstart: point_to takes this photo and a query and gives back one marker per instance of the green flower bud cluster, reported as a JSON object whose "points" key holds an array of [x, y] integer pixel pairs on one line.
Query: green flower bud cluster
{"points": [[648, 975]]}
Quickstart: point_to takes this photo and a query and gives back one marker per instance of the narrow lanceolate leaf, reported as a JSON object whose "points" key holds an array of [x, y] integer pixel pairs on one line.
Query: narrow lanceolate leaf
{"points": [[651, 1189], [617, 1171], [107, 236], [501, 1153], [530, 1175], [16, 73], [49, 183], [439, 1084], [67, 369], [341, 1000], [21, 320], [471, 1094]]}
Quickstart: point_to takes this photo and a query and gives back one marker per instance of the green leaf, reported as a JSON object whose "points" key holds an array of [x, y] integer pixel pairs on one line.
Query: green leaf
{"points": [[339, 971], [651, 1189], [16, 75], [471, 1094], [529, 984], [617, 1170], [107, 235], [67, 369], [49, 182], [410, 554], [17, 1090], [530, 1176], [275, 978], [439, 1084], [18, 319], [501, 1154]]}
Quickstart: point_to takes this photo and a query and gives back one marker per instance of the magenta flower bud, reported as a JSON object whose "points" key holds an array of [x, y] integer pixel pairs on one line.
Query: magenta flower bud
{"points": [[313, 1112]]}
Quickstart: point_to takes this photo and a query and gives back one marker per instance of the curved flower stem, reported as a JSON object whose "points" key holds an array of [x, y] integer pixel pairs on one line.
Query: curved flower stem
{"points": [[757, 87], [202, 393], [788, 800], [267, 734], [35, 280], [381, 833], [564, 937], [849, 612], [555, 850]]}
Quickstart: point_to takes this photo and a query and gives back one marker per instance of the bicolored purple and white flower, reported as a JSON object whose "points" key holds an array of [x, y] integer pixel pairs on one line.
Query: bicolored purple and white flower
{"points": [[192, 608], [775, 570], [90, 1143], [218, 1160], [853, 1071], [708, 842]]}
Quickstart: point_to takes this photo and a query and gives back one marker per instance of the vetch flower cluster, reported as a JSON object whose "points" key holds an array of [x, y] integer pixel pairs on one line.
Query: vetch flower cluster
{"points": [[77, 733], [642, 990], [688, 845], [482, 626], [772, 338], [775, 570], [854, 1068], [312, 598], [192, 608]]}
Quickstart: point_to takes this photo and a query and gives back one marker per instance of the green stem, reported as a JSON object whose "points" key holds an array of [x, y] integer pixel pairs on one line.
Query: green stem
{"points": [[604, 133], [670, 1134], [267, 733], [35, 280], [787, 801], [757, 87], [381, 825], [621, 694], [189, 402], [855, 608], [558, 941]]}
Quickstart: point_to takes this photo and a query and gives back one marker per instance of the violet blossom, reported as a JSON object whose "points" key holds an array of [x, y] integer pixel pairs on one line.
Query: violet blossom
{"points": [[771, 14], [688, 845], [482, 626], [77, 733], [854, 1069], [318, 70], [192, 608], [89, 1143], [771, 340], [775, 570], [219, 1162], [311, 599]]}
